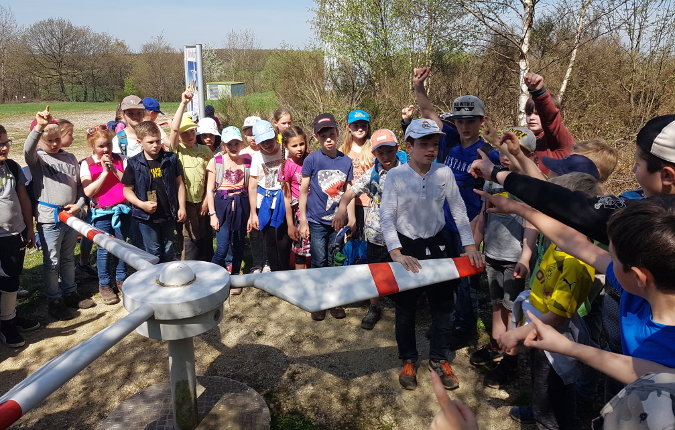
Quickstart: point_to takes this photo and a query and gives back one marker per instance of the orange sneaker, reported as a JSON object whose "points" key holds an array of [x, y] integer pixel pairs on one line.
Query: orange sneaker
{"points": [[407, 377], [444, 370]]}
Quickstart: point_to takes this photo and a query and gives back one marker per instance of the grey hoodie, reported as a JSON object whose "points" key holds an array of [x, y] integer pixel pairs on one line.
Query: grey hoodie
{"points": [[56, 178]]}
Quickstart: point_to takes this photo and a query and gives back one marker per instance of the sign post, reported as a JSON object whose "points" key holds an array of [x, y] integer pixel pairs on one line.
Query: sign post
{"points": [[194, 77]]}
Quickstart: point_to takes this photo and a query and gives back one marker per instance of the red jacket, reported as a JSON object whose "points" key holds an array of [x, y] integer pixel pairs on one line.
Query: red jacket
{"points": [[555, 140]]}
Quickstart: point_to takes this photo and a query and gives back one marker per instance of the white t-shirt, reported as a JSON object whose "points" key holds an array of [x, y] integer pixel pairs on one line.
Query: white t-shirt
{"points": [[266, 169], [133, 147]]}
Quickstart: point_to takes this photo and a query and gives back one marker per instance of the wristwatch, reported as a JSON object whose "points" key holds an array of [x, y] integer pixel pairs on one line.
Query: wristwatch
{"points": [[495, 170], [211, 213]]}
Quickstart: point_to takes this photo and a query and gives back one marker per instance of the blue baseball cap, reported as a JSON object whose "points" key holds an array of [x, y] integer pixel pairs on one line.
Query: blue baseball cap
{"points": [[571, 163], [422, 127], [358, 115], [151, 105], [262, 131], [230, 133]]}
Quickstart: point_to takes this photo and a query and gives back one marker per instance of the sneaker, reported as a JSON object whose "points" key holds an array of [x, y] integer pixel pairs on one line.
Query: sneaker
{"points": [[372, 317], [505, 371], [318, 315], [22, 293], [407, 377], [59, 311], [256, 270], [108, 295], [87, 270], [488, 354], [25, 324], [9, 334], [266, 269], [75, 301], [523, 414], [235, 291], [338, 312], [444, 370]]}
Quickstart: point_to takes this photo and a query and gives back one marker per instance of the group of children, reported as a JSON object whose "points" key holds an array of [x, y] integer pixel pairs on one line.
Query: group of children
{"points": [[456, 185]]}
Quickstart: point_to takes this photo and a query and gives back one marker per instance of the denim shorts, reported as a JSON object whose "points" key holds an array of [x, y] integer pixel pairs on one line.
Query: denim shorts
{"points": [[504, 287]]}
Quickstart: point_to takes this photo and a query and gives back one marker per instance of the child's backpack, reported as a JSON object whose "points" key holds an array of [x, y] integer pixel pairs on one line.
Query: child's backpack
{"points": [[375, 174], [345, 252], [220, 169]]}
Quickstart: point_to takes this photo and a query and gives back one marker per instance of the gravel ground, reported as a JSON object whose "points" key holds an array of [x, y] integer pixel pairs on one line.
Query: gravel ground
{"points": [[333, 373]]}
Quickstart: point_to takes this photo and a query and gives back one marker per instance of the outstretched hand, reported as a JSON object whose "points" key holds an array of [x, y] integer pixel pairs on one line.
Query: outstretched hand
{"points": [[187, 96], [454, 415], [533, 81], [499, 204], [546, 338], [407, 113], [482, 168], [43, 119]]}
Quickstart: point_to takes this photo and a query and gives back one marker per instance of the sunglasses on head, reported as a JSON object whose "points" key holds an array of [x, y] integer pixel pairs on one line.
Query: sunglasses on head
{"points": [[92, 131]]}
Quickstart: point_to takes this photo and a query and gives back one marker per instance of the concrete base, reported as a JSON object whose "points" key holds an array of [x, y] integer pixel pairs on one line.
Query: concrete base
{"points": [[222, 403]]}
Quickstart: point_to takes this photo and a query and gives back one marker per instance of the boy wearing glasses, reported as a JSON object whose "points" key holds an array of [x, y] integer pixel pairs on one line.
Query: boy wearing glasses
{"points": [[57, 188]]}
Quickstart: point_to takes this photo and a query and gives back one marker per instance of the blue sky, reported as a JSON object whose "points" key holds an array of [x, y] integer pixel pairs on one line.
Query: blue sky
{"points": [[181, 22]]}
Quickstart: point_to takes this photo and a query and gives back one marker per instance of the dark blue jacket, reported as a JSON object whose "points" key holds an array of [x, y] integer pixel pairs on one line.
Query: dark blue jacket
{"points": [[171, 169]]}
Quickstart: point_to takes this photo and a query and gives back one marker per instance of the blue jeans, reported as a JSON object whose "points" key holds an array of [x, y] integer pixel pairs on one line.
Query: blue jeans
{"points": [[158, 239], [229, 245], [58, 259], [466, 308], [319, 237], [105, 224]]}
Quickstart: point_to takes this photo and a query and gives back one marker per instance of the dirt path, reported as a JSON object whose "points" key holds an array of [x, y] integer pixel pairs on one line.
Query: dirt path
{"points": [[332, 373]]}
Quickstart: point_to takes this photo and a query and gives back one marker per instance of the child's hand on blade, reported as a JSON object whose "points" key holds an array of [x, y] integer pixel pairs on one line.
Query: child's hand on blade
{"points": [[482, 168], [546, 337], [409, 263], [475, 257], [71, 209], [533, 81], [454, 415]]}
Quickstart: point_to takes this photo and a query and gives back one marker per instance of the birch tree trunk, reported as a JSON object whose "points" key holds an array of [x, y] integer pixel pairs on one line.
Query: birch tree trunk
{"points": [[523, 60], [577, 41]]}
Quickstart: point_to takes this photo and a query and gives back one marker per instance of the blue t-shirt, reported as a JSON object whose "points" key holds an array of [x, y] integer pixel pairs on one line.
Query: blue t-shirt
{"points": [[327, 184], [459, 160], [640, 336]]}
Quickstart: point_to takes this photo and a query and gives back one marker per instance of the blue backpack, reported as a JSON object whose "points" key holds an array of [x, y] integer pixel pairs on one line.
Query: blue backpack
{"points": [[375, 174]]}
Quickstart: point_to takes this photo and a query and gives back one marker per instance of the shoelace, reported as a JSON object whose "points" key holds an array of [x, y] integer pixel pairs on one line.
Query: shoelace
{"points": [[408, 369], [447, 370]]}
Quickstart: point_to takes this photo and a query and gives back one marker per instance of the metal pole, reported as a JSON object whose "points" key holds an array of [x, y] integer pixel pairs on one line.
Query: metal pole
{"points": [[183, 383], [202, 84], [47, 379]]}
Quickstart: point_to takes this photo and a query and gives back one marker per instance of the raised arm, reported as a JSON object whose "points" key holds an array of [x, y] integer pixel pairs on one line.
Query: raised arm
{"points": [[178, 116], [427, 109], [566, 238], [558, 137]]}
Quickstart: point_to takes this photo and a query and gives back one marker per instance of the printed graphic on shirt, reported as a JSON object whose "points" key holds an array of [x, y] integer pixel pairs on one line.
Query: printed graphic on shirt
{"points": [[332, 183], [156, 172], [457, 165], [271, 171], [233, 176], [610, 202]]}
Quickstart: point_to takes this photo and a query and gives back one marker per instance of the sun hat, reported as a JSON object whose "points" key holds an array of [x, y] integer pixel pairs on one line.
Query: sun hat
{"points": [[526, 137], [358, 115], [468, 107], [324, 120], [207, 126], [250, 121], [422, 127], [382, 137], [231, 133], [657, 137], [186, 123], [151, 105], [132, 102], [262, 131]]}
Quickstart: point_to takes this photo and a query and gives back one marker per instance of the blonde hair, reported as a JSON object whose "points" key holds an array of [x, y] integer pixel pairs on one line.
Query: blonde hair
{"points": [[147, 128], [366, 158], [51, 128], [578, 181], [601, 154], [65, 126], [277, 116]]}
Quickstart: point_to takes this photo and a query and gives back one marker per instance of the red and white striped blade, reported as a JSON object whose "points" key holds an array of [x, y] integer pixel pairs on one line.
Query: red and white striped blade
{"points": [[319, 289]]}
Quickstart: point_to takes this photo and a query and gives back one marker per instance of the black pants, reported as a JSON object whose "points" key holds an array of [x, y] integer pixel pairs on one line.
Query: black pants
{"points": [[12, 252], [277, 247], [553, 402]]}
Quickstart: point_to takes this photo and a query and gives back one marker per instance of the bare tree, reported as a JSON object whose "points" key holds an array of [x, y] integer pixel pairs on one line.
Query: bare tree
{"points": [[158, 71], [9, 34]]}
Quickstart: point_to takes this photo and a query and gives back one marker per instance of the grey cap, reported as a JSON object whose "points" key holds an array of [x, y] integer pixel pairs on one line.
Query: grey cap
{"points": [[526, 137], [467, 107]]}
